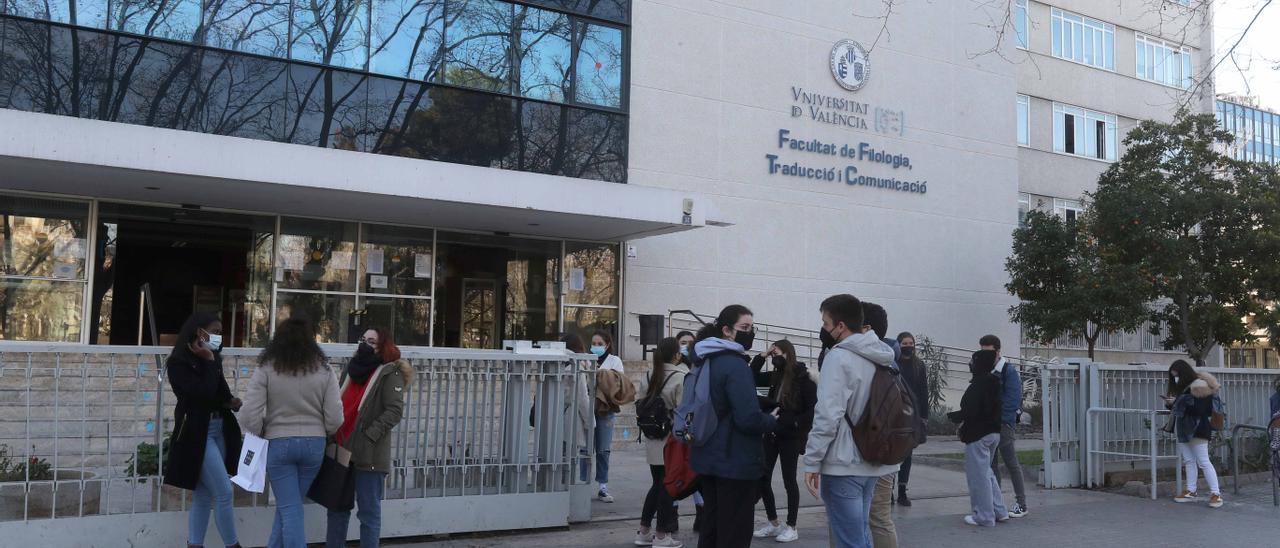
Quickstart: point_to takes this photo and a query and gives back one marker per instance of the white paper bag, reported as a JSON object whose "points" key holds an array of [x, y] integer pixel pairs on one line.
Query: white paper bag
{"points": [[251, 473]]}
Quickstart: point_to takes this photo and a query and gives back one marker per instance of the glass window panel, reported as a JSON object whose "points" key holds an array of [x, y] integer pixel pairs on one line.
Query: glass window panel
{"points": [[597, 146], [612, 10], [493, 287], [1020, 22], [1140, 53], [1111, 139], [43, 238], [1077, 41], [599, 66], [478, 41], [539, 144], [584, 322], [89, 13], [52, 10], [173, 19], [407, 35], [39, 61], [460, 126], [242, 96], [400, 258], [390, 102], [1057, 37], [544, 53], [1059, 130], [1023, 120], [40, 310], [330, 32], [157, 88], [250, 26], [591, 273], [331, 314], [1186, 71], [1087, 45], [1109, 49], [316, 255], [326, 107], [408, 320]]}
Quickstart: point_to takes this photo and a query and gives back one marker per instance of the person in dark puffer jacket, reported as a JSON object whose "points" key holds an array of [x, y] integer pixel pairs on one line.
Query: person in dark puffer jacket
{"points": [[795, 395], [979, 418]]}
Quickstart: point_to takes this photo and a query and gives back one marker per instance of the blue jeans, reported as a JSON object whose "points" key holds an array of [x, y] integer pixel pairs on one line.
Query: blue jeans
{"points": [[213, 492], [848, 502], [292, 464], [369, 489], [604, 442]]}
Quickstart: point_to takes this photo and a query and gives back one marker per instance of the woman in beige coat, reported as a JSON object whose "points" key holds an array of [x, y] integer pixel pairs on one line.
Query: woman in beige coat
{"points": [[666, 381]]}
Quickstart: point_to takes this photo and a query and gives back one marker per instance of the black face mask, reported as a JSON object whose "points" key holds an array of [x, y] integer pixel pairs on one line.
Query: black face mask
{"points": [[827, 340], [745, 338], [779, 362], [908, 351]]}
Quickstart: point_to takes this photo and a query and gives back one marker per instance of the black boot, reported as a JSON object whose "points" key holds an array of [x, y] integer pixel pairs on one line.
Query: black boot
{"points": [[697, 518], [902, 497]]}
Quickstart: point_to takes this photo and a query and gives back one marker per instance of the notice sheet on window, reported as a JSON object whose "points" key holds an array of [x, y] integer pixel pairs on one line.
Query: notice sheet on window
{"points": [[422, 265]]}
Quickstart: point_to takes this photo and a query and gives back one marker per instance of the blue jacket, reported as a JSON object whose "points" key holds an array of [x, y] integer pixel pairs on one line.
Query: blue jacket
{"points": [[736, 449], [1010, 392], [1275, 403]]}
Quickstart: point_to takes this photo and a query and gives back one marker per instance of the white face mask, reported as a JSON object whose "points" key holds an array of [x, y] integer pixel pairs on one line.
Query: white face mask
{"points": [[215, 342], [1175, 379]]}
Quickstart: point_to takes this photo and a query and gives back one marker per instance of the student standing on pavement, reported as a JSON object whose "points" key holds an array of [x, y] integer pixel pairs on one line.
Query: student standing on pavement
{"points": [[731, 461], [686, 340], [883, 533], [613, 390], [913, 370], [665, 381], [1011, 405], [1190, 398], [832, 462], [372, 389], [795, 395], [979, 418]]}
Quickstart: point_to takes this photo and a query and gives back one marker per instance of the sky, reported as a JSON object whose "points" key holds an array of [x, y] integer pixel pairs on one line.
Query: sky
{"points": [[1258, 56]]}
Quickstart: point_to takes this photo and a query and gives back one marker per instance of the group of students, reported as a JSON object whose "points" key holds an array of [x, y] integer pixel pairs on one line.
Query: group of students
{"points": [[778, 416], [298, 404]]}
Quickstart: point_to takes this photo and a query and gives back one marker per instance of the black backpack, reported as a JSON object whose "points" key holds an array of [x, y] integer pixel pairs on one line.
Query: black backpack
{"points": [[652, 415]]}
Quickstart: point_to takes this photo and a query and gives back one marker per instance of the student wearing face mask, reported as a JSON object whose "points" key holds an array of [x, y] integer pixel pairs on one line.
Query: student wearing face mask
{"points": [[795, 395], [372, 388], [686, 339], [730, 461], [205, 445], [613, 390], [913, 371]]}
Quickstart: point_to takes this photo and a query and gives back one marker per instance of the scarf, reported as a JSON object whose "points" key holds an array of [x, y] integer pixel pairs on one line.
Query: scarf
{"points": [[363, 364]]}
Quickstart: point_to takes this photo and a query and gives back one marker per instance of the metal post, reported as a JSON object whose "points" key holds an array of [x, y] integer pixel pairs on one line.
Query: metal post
{"points": [[1046, 418], [1152, 428]]}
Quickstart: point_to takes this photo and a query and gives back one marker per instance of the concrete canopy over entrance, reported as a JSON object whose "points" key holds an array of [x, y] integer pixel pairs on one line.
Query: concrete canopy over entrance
{"points": [[126, 162]]}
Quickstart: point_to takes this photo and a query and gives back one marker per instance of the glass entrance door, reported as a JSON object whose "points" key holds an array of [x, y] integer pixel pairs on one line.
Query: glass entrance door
{"points": [[479, 313]]}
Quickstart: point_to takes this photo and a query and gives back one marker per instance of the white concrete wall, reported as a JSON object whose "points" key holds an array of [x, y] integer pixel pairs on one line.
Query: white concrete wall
{"points": [[711, 87]]}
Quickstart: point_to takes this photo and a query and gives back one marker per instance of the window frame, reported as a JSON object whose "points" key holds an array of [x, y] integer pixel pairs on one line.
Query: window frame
{"points": [[1022, 38], [1091, 42], [1080, 132], [1069, 210], [1023, 120], [1178, 61]]}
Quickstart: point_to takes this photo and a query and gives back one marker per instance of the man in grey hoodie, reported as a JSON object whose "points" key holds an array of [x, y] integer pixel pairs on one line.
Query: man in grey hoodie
{"points": [[832, 462]]}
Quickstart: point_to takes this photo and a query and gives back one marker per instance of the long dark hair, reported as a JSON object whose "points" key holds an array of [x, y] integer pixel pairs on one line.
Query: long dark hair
{"points": [[1186, 375], [788, 377], [664, 354], [190, 332], [293, 349], [729, 317], [573, 343]]}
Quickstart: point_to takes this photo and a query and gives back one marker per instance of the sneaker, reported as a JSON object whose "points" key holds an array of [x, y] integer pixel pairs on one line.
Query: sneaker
{"points": [[644, 539], [903, 501], [767, 530], [1186, 496], [1215, 501], [1017, 510], [1002, 519], [969, 520], [604, 496], [668, 541], [788, 534]]}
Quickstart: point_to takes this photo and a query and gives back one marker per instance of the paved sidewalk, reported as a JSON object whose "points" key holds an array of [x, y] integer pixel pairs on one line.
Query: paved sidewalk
{"points": [[1061, 518]]}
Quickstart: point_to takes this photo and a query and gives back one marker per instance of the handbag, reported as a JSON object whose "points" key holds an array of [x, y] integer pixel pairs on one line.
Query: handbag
{"points": [[334, 487], [251, 472]]}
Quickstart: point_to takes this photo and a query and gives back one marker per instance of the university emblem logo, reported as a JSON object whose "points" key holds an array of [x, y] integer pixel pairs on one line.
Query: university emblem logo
{"points": [[850, 65]]}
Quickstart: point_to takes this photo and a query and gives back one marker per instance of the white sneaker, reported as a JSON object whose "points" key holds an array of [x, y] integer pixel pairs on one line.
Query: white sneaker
{"points": [[668, 541], [788, 534], [767, 530], [644, 539], [604, 496], [969, 519]]}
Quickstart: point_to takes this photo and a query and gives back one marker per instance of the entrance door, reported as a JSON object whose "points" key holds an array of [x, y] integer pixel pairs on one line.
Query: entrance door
{"points": [[479, 313], [193, 260]]}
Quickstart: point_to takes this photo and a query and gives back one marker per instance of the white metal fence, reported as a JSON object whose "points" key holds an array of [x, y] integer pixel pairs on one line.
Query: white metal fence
{"points": [[83, 428], [1081, 446]]}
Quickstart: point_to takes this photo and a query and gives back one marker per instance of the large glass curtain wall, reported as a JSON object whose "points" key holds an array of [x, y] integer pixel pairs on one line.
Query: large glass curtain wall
{"points": [[505, 47], [429, 287]]}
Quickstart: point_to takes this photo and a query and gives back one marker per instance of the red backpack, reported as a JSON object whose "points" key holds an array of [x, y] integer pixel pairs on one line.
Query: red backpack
{"points": [[679, 477]]}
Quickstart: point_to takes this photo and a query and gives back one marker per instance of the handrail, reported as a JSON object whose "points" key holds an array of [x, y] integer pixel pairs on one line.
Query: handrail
{"points": [[1235, 462], [1153, 453]]}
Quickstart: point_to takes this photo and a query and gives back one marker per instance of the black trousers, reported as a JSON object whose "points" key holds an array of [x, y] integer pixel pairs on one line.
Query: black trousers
{"points": [[788, 451], [660, 503], [904, 473], [729, 512]]}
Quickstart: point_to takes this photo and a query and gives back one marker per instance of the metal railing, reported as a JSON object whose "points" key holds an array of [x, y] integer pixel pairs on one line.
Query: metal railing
{"points": [[1235, 462], [84, 429], [1153, 448]]}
